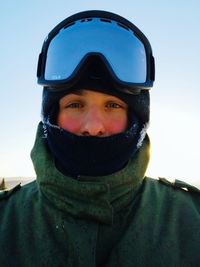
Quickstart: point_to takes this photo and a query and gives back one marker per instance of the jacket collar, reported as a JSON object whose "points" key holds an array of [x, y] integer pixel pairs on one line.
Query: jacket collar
{"points": [[88, 197]]}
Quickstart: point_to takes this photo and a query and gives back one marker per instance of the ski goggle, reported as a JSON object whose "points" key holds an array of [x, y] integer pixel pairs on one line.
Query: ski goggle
{"points": [[122, 47]]}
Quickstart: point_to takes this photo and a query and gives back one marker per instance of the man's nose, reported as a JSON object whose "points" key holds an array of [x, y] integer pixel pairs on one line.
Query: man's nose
{"points": [[93, 124]]}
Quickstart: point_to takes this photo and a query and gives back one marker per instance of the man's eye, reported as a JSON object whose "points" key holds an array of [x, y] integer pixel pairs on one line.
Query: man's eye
{"points": [[113, 105], [74, 105]]}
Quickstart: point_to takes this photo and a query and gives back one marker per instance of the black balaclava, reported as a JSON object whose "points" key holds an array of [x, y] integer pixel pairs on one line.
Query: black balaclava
{"points": [[88, 155]]}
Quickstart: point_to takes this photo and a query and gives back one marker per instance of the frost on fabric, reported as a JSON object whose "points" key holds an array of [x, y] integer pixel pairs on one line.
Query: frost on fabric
{"points": [[132, 131], [142, 135], [47, 122]]}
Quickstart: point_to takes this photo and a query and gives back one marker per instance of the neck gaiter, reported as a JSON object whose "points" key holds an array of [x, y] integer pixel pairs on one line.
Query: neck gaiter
{"points": [[92, 156]]}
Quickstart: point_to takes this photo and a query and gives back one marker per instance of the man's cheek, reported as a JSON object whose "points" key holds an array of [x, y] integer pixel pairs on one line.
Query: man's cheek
{"points": [[71, 126], [116, 126]]}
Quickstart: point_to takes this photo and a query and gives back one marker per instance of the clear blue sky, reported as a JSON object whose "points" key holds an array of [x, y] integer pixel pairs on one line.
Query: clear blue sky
{"points": [[172, 26]]}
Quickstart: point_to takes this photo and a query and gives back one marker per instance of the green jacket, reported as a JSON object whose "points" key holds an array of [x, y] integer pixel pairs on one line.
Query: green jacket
{"points": [[122, 219]]}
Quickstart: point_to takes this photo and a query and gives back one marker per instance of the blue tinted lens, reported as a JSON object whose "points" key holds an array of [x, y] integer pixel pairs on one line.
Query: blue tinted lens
{"points": [[124, 52]]}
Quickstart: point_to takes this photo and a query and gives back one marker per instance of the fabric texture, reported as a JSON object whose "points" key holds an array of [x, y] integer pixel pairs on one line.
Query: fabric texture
{"points": [[89, 155], [124, 219]]}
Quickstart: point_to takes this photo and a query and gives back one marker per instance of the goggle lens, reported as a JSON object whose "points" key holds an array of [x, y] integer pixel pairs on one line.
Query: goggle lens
{"points": [[118, 46]]}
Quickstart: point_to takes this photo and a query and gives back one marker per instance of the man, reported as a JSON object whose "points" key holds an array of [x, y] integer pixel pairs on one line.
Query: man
{"points": [[91, 204]]}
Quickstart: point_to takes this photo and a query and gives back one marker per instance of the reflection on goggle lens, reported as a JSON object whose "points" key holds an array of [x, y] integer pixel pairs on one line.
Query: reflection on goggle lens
{"points": [[115, 43]]}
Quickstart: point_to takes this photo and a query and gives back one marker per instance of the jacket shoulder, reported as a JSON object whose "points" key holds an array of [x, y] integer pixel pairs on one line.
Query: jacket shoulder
{"points": [[5, 194], [17, 191], [180, 185], [165, 188], [175, 194], [175, 185]]}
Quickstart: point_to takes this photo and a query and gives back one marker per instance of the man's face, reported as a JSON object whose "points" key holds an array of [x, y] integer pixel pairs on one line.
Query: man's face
{"points": [[91, 113]]}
